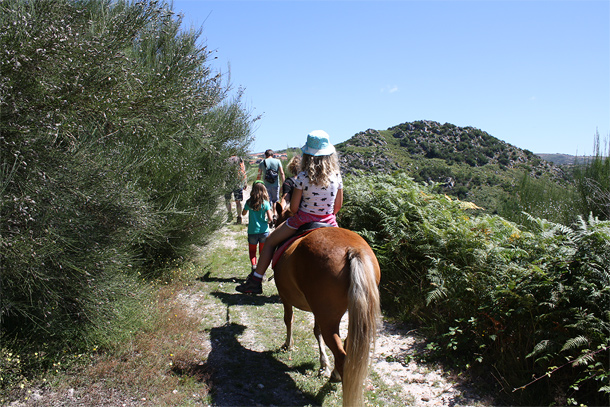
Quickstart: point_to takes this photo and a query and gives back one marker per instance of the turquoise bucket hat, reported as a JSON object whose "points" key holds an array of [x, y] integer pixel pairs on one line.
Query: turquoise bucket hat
{"points": [[318, 144]]}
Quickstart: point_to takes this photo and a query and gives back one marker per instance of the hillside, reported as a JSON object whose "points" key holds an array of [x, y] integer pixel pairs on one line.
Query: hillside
{"points": [[391, 149], [465, 162]]}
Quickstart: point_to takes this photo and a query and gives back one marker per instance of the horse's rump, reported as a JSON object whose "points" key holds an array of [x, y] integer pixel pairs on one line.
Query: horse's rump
{"points": [[326, 272]]}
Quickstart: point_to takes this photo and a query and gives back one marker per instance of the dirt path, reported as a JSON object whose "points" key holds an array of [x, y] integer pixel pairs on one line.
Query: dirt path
{"points": [[248, 368]]}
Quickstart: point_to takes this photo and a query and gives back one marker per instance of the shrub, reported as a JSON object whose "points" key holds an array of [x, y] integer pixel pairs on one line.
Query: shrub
{"points": [[492, 295], [542, 198], [113, 139]]}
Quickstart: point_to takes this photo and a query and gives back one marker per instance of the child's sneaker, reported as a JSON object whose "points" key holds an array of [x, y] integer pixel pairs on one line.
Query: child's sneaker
{"points": [[252, 285]]}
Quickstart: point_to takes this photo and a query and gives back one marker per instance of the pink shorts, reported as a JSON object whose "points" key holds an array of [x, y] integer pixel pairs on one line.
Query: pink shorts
{"points": [[302, 218]]}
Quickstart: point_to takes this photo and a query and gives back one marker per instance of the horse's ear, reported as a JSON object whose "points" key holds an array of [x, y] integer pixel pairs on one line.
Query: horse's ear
{"points": [[278, 207]]}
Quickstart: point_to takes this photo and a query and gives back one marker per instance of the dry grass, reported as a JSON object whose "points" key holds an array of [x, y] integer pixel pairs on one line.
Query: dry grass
{"points": [[163, 365], [159, 361]]}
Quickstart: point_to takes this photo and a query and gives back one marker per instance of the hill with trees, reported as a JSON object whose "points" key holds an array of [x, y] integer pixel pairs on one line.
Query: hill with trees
{"points": [[464, 162], [407, 142]]}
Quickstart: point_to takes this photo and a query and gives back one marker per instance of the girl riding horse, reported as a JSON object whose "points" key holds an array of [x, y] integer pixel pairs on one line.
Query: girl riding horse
{"points": [[317, 197]]}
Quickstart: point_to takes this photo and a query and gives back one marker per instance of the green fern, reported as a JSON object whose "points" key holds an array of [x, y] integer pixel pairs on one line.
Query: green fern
{"points": [[518, 292], [575, 343]]}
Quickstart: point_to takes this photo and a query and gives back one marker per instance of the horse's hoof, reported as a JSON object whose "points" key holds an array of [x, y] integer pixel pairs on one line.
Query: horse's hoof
{"points": [[324, 372], [335, 377]]}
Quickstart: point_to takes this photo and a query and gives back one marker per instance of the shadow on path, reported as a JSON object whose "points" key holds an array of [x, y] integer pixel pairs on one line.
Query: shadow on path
{"points": [[242, 377], [245, 299], [237, 376], [207, 278]]}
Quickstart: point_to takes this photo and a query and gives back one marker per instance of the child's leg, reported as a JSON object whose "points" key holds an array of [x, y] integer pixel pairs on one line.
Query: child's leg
{"points": [[252, 253], [253, 284], [252, 243], [276, 237]]}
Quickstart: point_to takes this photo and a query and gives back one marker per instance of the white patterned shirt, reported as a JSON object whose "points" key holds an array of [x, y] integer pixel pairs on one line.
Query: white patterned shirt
{"points": [[318, 200]]}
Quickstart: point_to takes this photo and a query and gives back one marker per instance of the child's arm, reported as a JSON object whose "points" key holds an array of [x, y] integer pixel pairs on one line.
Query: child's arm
{"points": [[338, 201], [295, 200], [246, 207], [269, 215]]}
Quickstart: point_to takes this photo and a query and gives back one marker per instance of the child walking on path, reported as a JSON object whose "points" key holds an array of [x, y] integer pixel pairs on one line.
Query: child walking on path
{"points": [[259, 210], [317, 197]]}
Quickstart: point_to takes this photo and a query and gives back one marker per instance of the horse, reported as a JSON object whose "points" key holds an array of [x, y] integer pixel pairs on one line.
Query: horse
{"points": [[327, 272]]}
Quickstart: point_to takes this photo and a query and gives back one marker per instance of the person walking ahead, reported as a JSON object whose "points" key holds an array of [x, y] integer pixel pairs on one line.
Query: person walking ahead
{"points": [[236, 184], [270, 170], [293, 167], [317, 197]]}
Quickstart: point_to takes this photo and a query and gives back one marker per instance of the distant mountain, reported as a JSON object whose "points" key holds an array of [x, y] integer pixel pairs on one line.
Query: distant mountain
{"points": [[564, 159], [398, 146], [462, 161]]}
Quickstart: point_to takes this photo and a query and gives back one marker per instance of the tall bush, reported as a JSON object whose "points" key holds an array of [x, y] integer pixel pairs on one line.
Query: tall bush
{"points": [[491, 295], [593, 181], [114, 139], [541, 197]]}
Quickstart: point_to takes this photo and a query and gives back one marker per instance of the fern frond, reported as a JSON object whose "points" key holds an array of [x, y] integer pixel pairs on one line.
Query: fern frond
{"points": [[584, 360], [436, 295], [575, 343], [539, 348]]}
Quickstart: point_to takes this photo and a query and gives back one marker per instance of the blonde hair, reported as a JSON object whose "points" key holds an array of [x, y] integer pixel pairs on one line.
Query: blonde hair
{"points": [[294, 165], [319, 169], [258, 196]]}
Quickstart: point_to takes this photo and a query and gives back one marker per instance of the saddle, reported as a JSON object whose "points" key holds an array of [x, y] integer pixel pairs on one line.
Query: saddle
{"points": [[308, 227], [301, 231]]}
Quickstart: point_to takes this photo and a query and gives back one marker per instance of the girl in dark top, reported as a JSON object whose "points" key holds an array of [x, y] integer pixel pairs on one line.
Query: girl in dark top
{"points": [[294, 167]]}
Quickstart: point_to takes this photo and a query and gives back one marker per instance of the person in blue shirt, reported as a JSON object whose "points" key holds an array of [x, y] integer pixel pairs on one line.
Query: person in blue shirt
{"points": [[270, 170], [259, 213]]}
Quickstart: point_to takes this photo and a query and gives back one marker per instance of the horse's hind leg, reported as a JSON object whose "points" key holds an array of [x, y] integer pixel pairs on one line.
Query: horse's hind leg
{"points": [[330, 333], [324, 363], [288, 317]]}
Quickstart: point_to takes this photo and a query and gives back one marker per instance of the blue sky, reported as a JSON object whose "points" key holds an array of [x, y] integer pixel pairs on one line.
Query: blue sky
{"points": [[535, 74]]}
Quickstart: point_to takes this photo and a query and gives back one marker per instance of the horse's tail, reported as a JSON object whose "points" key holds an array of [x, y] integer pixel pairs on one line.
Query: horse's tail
{"points": [[364, 313]]}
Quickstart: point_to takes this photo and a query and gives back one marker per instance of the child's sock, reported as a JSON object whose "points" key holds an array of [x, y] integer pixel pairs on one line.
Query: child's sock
{"points": [[257, 276]]}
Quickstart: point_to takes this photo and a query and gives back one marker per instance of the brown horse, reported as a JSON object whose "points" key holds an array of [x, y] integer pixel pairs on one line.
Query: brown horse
{"points": [[328, 272]]}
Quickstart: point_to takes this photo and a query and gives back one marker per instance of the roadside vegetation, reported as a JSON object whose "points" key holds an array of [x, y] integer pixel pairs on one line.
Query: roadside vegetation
{"points": [[114, 140], [114, 135], [524, 304]]}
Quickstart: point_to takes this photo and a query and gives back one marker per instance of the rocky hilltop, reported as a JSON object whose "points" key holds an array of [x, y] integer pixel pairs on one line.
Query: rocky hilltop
{"points": [[401, 146], [463, 162]]}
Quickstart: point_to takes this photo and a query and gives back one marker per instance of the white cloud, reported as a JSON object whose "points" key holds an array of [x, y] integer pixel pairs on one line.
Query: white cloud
{"points": [[389, 89]]}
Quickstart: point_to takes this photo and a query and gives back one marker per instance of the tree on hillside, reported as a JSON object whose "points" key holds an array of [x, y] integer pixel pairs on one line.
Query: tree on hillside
{"points": [[114, 134]]}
